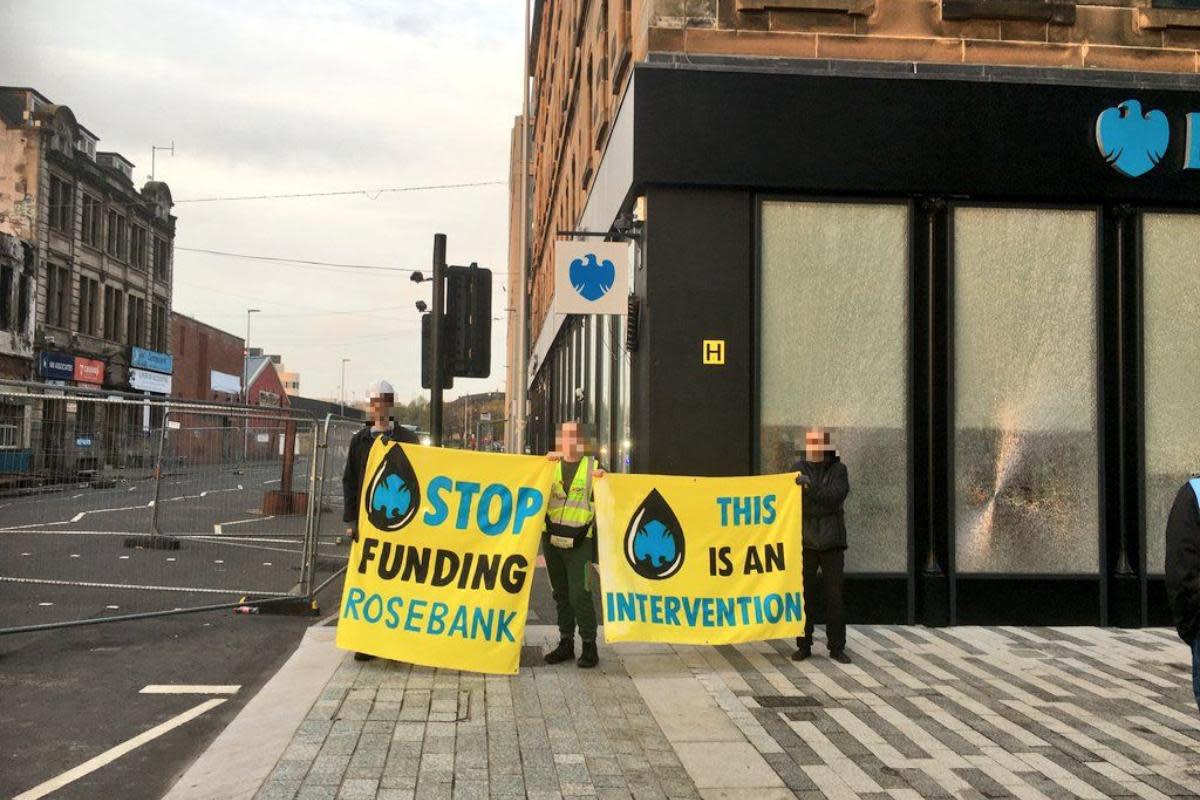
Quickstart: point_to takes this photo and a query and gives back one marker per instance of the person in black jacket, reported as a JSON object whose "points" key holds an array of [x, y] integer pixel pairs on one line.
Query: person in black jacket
{"points": [[1183, 571], [825, 484], [382, 398]]}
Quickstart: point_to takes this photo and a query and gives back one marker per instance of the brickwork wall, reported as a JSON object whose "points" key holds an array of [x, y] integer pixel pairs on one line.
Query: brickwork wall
{"points": [[199, 349]]}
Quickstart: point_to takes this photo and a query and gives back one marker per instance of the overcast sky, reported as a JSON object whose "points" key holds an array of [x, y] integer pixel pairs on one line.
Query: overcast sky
{"points": [[271, 97]]}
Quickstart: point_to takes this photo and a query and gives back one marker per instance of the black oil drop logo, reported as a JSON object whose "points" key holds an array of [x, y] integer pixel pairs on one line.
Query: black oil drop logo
{"points": [[393, 495], [654, 540]]}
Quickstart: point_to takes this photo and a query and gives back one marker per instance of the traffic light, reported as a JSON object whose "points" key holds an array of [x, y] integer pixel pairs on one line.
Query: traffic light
{"points": [[426, 360], [468, 321]]}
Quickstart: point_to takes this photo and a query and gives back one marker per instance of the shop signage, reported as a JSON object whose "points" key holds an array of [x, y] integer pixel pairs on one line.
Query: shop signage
{"points": [[89, 370], [224, 382], [1134, 141], [56, 366], [151, 360], [145, 381], [591, 277]]}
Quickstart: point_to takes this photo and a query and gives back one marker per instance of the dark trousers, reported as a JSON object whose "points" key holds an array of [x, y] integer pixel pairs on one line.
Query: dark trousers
{"points": [[832, 565], [568, 572], [1196, 669]]}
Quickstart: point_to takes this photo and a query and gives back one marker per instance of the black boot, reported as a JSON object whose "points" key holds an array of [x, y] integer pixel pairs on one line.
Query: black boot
{"points": [[802, 653], [564, 652], [363, 657], [589, 657]]}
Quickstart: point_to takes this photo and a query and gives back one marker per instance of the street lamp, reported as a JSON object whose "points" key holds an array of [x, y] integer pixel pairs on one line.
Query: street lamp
{"points": [[342, 389]]}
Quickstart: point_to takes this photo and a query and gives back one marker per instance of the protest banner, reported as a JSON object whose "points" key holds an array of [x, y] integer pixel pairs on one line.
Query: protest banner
{"points": [[447, 542], [700, 560]]}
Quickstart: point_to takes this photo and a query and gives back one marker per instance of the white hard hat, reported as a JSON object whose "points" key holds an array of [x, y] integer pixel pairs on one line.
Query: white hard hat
{"points": [[378, 389]]}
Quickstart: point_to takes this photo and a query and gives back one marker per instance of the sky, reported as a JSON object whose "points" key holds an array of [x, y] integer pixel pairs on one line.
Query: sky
{"points": [[302, 96]]}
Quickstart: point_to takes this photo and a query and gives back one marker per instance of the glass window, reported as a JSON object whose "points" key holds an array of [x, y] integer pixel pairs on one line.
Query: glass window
{"points": [[1170, 293], [833, 335], [1025, 469]]}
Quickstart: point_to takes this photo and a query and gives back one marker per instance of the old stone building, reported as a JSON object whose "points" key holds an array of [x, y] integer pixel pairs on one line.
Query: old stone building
{"points": [[85, 295], [961, 234]]}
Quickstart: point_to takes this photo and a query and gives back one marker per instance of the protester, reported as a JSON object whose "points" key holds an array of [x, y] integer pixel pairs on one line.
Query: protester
{"points": [[382, 397], [1183, 571], [569, 544], [825, 484]]}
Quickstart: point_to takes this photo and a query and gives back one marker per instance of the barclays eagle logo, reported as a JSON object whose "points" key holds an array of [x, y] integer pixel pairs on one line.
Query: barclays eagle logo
{"points": [[1132, 143], [591, 278], [654, 544]]}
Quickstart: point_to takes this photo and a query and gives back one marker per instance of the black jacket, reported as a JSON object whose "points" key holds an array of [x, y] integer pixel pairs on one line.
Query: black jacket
{"points": [[356, 465], [1183, 563], [824, 519]]}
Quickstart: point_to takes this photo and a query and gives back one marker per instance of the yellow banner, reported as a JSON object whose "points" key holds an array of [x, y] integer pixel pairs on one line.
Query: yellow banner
{"points": [[700, 560], [447, 543]]}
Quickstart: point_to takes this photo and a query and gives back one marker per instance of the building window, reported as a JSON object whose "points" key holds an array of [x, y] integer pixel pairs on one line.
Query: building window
{"points": [[12, 425], [1170, 287], [834, 322], [158, 327], [136, 324], [89, 297], [92, 214], [113, 305], [117, 236], [8, 316], [162, 258], [137, 246], [1025, 462], [60, 205], [58, 296]]}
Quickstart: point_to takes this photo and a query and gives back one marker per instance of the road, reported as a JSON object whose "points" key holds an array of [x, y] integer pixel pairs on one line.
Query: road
{"points": [[73, 694]]}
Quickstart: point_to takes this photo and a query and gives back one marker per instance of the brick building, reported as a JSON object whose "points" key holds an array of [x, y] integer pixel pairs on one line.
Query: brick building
{"points": [[959, 233], [208, 361]]}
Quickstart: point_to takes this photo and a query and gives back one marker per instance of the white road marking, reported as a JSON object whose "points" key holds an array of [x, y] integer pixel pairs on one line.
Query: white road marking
{"points": [[45, 604], [218, 561], [26, 554], [83, 514], [76, 497], [74, 555], [207, 492], [112, 608], [31, 525], [172, 558], [273, 480], [219, 527], [266, 563], [185, 688], [112, 754], [123, 558]]}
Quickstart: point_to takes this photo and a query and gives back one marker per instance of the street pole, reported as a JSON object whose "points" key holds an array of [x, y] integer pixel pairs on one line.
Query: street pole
{"points": [[436, 356], [522, 352], [342, 390], [246, 388]]}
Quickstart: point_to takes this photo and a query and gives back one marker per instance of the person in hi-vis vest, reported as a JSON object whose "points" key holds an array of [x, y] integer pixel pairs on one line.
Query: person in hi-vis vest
{"points": [[569, 543]]}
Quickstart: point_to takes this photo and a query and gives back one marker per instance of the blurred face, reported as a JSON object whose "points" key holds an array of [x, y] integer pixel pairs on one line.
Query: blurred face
{"points": [[381, 406], [816, 444], [570, 441]]}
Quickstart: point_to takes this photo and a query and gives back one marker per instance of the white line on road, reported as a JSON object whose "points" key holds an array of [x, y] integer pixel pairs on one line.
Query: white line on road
{"points": [[185, 688], [112, 754], [32, 525], [83, 514], [219, 527], [76, 497]]}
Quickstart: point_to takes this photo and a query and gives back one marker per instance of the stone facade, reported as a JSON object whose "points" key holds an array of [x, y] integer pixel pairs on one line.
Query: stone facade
{"points": [[103, 249], [582, 52]]}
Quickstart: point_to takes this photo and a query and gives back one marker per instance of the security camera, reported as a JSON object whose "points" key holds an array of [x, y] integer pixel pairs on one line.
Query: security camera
{"points": [[417, 276], [421, 306]]}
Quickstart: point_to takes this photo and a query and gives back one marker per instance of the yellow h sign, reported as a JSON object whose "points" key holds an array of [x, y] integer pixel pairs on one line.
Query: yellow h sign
{"points": [[713, 352]]}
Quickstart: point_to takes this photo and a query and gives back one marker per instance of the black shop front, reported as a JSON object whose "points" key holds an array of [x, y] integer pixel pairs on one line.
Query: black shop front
{"points": [[984, 283]]}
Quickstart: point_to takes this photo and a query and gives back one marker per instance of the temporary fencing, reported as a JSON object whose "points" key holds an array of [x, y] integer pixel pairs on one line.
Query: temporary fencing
{"points": [[117, 506]]}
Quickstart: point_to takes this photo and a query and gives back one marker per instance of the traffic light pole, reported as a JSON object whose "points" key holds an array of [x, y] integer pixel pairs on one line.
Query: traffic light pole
{"points": [[437, 355]]}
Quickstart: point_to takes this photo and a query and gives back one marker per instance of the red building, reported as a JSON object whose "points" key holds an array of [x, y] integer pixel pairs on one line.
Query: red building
{"points": [[208, 361]]}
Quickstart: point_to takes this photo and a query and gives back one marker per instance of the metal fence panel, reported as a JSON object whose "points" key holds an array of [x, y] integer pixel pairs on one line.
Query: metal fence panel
{"points": [[113, 505]]}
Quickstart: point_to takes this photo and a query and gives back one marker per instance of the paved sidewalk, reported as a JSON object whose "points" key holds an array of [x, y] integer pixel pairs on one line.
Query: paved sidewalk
{"points": [[957, 712]]}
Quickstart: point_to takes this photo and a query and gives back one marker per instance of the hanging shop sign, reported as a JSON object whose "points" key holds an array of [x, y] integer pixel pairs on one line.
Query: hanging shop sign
{"points": [[591, 277], [151, 360], [89, 370], [56, 366], [146, 381]]}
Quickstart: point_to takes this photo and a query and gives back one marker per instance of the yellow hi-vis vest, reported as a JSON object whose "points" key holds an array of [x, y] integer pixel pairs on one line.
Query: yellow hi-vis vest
{"points": [[572, 508]]}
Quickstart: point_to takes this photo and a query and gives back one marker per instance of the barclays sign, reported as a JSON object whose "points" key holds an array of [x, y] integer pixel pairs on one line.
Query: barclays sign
{"points": [[1133, 141]]}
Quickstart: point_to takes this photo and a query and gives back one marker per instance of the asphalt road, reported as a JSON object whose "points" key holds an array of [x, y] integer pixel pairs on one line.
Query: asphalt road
{"points": [[71, 694]]}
